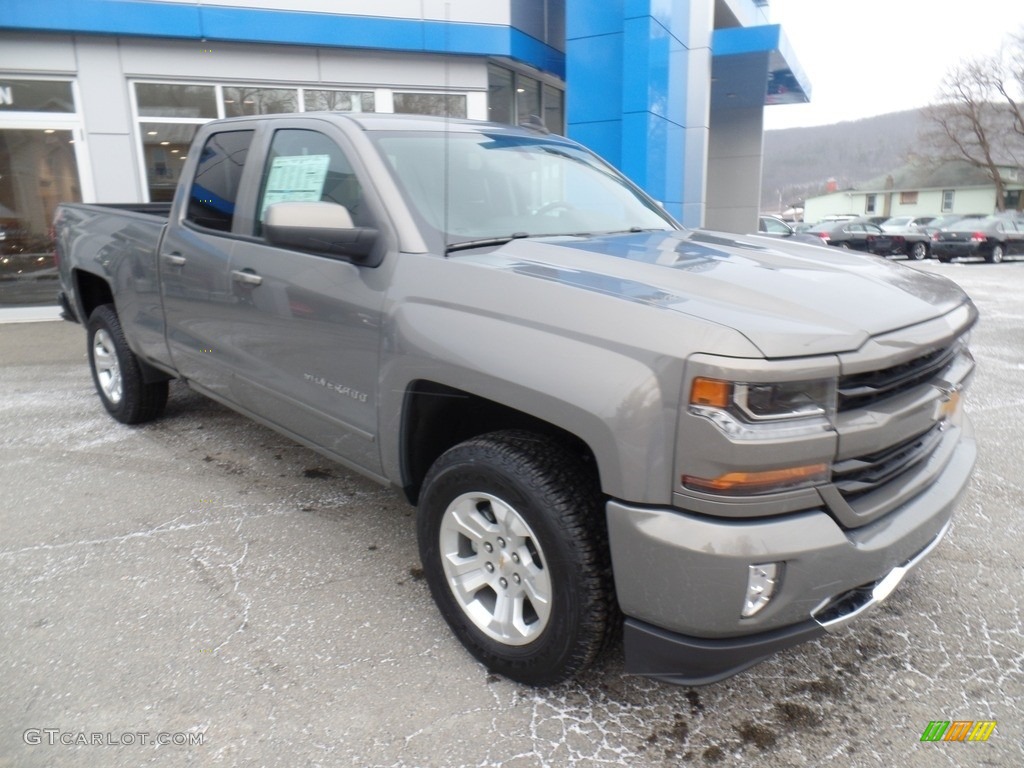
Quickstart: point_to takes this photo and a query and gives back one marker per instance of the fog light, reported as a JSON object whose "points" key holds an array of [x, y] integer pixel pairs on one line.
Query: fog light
{"points": [[761, 583]]}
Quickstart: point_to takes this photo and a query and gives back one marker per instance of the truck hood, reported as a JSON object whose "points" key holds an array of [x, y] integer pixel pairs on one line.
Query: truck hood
{"points": [[787, 299]]}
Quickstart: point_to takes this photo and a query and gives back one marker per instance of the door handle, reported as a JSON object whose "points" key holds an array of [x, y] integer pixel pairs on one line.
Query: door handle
{"points": [[175, 259], [246, 277]]}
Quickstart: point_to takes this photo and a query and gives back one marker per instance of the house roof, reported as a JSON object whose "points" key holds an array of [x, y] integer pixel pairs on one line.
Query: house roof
{"points": [[929, 175]]}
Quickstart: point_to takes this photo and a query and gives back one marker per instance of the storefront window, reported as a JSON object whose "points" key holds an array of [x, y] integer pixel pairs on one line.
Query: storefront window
{"points": [[243, 100], [500, 107], [170, 100], [165, 146], [341, 101], [37, 171], [444, 105], [527, 98], [554, 109], [515, 98], [36, 96]]}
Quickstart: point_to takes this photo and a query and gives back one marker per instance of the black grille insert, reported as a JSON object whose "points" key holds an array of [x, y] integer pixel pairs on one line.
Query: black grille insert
{"points": [[860, 389], [862, 474]]}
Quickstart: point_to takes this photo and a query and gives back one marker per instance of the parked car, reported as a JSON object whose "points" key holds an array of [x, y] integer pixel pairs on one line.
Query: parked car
{"points": [[992, 238], [904, 235], [773, 226], [906, 223], [948, 220], [855, 234]]}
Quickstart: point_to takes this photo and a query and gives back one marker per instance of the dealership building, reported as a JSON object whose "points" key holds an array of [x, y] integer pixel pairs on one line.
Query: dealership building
{"points": [[99, 99]]}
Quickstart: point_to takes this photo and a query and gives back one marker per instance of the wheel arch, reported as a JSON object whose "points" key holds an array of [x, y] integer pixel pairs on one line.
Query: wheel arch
{"points": [[91, 291], [436, 417]]}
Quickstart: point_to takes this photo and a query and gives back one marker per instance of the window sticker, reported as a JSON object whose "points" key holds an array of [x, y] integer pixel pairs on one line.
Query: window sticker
{"points": [[299, 178]]}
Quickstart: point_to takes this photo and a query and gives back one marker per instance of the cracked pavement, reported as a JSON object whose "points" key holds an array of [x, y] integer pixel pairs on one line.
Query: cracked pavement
{"points": [[203, 575]]}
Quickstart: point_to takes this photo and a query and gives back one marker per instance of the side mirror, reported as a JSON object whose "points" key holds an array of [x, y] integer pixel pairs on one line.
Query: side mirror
{"points": [[318, 227]]}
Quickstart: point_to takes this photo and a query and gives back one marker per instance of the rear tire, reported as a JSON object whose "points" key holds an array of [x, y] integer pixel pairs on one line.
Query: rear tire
{"points": [[918, 251], [995, 256], [514, 548], [117, 374]]}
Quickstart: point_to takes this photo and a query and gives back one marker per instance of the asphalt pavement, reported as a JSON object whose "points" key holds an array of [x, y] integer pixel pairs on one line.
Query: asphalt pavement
{"points": [[200, 591]]}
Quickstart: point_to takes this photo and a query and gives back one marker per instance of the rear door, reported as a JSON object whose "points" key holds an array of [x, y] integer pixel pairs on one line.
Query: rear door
{"points": [[195, 284], [306, 328]]}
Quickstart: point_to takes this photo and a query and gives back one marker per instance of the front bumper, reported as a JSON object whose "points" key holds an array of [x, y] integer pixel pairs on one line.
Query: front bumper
{"points": [[681, 578]]}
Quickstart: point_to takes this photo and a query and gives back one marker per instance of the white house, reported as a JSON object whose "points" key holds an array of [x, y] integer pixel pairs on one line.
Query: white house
{"points": [[921, 189]]}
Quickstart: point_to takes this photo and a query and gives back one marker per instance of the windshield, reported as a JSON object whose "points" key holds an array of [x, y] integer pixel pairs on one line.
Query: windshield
{"points": [[503, 186]]}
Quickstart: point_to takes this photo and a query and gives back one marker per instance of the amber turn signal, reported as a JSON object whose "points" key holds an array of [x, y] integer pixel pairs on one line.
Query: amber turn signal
{"points": [[712, 392]]}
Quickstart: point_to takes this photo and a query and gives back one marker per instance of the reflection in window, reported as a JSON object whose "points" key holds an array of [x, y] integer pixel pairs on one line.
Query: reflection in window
{"points": [[165, 147], [340, 101], [37, 171], [36, 96], [527, 98], [172, 100], [243, 100], [444, 105], [554, 109], [211, 201], [500, 108], [515, 98]]}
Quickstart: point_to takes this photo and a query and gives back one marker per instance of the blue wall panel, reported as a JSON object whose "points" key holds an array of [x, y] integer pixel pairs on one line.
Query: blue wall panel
{"points": [[637, 59]]}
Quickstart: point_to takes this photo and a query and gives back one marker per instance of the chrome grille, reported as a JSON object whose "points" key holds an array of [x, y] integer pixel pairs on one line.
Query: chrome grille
{"points": [[861, 389]]}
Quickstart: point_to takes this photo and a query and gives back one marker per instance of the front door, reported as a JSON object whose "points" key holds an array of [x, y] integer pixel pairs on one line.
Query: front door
{"points": [[306, 328]]}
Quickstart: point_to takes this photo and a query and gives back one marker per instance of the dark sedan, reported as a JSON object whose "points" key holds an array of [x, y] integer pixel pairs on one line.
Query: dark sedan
{"points": [[858, 234], [992, 238]]}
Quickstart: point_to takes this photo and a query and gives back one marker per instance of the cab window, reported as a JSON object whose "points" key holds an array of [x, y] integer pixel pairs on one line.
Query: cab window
{"points": [[214, 190], [307, 166]]}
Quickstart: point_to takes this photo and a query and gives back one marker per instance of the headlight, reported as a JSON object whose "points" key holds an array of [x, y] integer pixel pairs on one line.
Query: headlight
{"points": [[765, 410]]}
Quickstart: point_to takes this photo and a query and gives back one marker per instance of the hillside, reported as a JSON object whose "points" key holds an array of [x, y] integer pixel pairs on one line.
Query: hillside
{"points": [[799, 161]]}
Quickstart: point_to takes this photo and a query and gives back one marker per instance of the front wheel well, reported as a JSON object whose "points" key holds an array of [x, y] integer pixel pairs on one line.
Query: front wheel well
{"points": [[436, 417]]}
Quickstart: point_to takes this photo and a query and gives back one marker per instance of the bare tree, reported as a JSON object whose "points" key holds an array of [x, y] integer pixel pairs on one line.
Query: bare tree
{"points": [[979, 116]]}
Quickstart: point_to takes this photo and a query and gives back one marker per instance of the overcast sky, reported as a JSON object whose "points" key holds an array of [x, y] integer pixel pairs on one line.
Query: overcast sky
{"points": [[869, 57]]}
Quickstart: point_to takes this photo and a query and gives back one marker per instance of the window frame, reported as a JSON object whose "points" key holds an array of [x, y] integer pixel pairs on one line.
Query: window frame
{"points": [[948, 207]]}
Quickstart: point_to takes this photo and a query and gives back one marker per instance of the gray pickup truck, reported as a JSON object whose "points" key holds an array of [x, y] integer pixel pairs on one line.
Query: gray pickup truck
{"points": [[719, 446]]}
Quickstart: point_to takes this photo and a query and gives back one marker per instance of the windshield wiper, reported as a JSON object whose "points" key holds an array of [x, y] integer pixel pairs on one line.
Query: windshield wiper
{"points": [[484, 241]]}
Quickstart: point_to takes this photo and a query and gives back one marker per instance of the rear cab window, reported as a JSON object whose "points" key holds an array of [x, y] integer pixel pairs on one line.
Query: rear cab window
{"points": [[214, 191]]}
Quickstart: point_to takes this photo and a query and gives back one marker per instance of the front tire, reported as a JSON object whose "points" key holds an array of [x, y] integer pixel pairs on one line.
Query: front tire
{"points": [[513, 546], [995, 256], [918, 251], [117, 374]]}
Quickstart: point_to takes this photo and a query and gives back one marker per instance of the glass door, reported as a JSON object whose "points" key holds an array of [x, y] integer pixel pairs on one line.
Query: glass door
{"points": [[38, 169]]}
